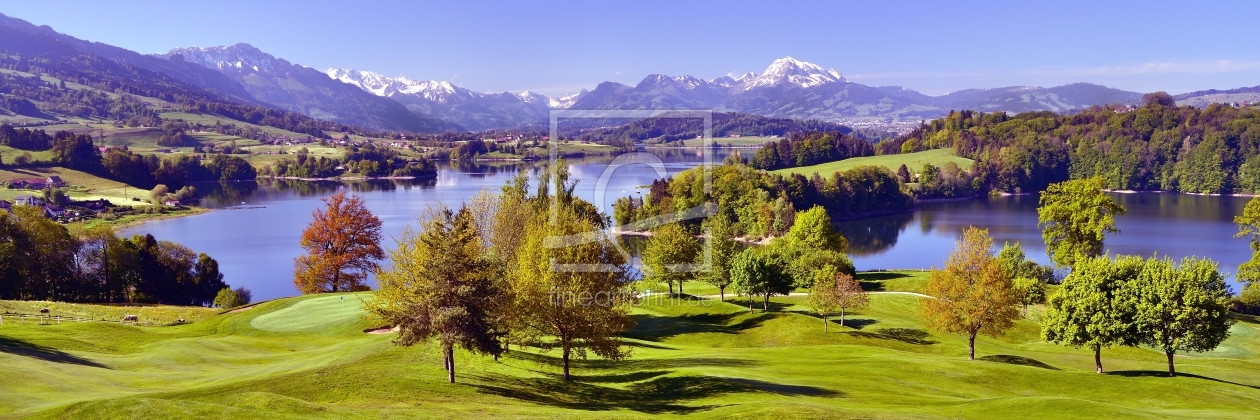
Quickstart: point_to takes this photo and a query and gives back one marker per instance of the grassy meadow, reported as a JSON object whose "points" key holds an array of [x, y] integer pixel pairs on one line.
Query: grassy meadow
{"points": [[80, 185], [749, 141], [308, 357], [914, 161]]}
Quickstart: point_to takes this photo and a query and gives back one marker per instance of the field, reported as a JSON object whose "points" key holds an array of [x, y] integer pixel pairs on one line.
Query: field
{"points": [[914, 161], [151, 314], [308, 357], [738, 142], [80, 185]]}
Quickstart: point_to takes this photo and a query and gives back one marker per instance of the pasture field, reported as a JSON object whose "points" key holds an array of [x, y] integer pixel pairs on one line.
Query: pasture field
{"points": [[152, 314], [80, 185], [308, 357], [747, 141], [914, 161]]}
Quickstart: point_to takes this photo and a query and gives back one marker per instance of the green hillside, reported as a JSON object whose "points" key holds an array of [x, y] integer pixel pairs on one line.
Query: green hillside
{"points": [[914, 161], [308, 357]]}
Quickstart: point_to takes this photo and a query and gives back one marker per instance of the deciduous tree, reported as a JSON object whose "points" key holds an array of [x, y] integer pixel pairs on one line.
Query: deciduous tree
{"points": [[342, 246], [835, 290], [668, 256], [812, 229], [1029, 292], [971, 295], [1249, 227], [1074, 217], [760, 273], [1180, 307], [1088, 309], [579, 311], [723, 249]]}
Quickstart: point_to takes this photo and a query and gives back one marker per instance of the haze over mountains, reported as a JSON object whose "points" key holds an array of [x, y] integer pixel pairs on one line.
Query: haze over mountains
{"points": [[787, 88]]}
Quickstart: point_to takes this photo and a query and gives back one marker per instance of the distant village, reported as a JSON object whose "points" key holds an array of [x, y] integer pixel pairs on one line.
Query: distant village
{"points": [[41, 189]]}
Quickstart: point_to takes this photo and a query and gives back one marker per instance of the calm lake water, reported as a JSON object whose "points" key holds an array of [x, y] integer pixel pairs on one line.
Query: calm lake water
{"points": [[1175, 225], [255, 229]]}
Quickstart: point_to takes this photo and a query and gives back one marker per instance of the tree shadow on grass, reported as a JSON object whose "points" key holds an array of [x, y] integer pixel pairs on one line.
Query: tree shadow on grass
{"points": [[659, 395], [849, 320], [1164, 374], [657, 328], [22, 348], [647, 346], [632, 364], [1018, 360], [904, 335], [879, 276], [871, 286]]}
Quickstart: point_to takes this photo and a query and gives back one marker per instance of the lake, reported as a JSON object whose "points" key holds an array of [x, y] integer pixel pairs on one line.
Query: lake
{"points": [[1177, 225], [255, 227]]}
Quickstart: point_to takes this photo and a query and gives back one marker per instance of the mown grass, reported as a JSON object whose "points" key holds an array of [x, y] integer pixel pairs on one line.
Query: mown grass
{"points": [[152, 314], [914, 161], [308, 358]]}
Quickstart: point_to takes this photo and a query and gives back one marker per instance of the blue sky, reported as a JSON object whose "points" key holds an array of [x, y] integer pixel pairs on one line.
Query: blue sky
{"points": [[559, 47]]}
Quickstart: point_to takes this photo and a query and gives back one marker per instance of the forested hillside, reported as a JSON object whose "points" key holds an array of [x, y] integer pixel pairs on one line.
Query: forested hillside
{"points": [[1158, 146], [668, 129]]}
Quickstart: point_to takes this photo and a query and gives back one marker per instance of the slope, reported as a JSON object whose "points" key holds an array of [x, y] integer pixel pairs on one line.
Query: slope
{"points": [[307, 357], [308, 91]]}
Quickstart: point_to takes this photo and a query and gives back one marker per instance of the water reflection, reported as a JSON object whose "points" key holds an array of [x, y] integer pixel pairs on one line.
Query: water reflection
{"points": [[254, 234], [1168, 224]]}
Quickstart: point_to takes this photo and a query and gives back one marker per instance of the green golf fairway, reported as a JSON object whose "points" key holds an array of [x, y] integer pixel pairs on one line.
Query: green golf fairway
{"points": [[308, 357]]}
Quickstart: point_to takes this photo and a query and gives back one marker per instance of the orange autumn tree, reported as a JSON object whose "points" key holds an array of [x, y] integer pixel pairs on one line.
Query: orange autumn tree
{"points": [[971, 295], [342, 246]]}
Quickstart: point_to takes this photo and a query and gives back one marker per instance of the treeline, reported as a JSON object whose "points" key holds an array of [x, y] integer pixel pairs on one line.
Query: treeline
{"points": [[145, 171], [764, 205], [805, 149], [84, 103], [43, 260], [724, 124], [1156, 147], [25, 139], [369, 160], [108, 76]]}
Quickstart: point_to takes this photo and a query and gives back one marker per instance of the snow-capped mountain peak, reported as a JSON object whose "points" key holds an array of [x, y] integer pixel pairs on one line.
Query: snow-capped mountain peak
{"points": [[241, 56], [788, 70], [564, 102], [380, 85]]}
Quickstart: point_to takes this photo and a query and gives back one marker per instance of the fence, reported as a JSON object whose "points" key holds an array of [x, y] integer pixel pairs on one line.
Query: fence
{"points": [[57, 320]]}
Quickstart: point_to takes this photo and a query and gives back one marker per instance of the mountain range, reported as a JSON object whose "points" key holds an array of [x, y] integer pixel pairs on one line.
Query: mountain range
{"points": [[787, 88]]}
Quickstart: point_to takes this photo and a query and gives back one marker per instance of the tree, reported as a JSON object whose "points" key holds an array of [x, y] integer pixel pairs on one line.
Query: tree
{"points": [[579, 311], [972, 295], [760, 273], [1250, 296], [438, 287], [342, 246], [158, 193], [668, 256], [903, 173], [1089, 311], [1029, 292], [1074, 216], [1016, 265], [1249, 227], [812, 229], [227, 298], [1159, 98], [835, 290], [723, 249], [1180, 307]]}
